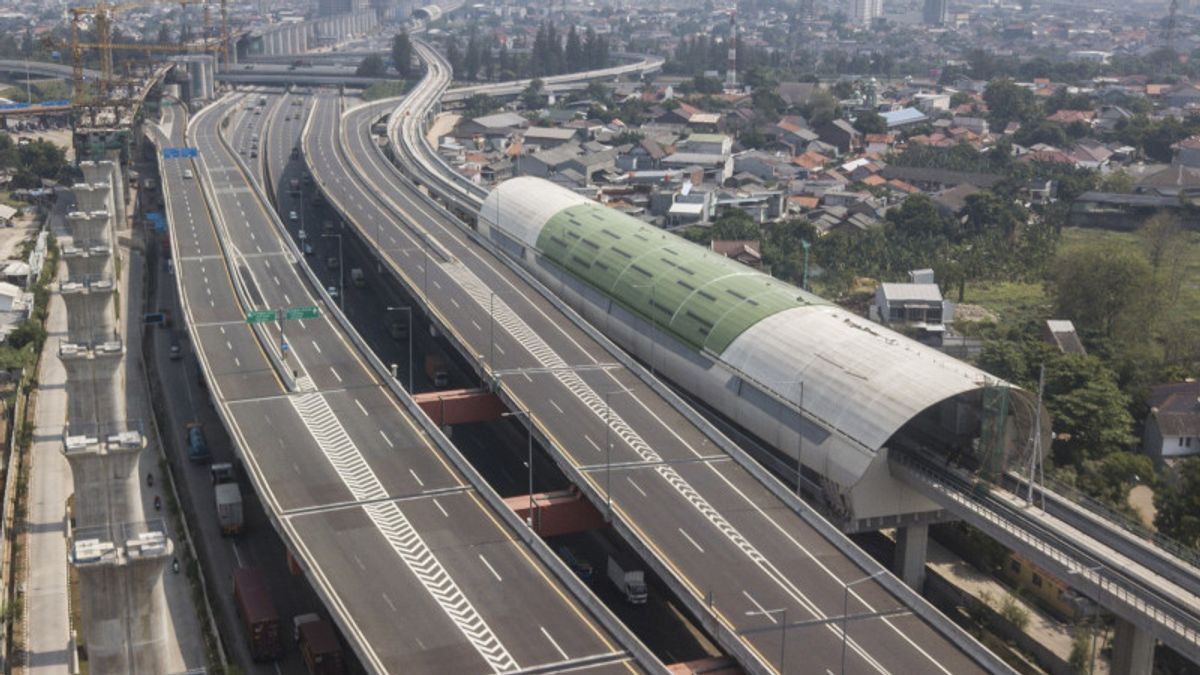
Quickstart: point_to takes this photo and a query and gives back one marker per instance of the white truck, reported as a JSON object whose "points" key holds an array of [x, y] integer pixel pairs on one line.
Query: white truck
{"points": [[357, 277], [229, 499], [629, 580]]}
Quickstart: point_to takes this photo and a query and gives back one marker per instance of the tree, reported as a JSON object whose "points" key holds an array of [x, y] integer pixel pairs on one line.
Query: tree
{"points": [[1009, 102], [471, 60], [371, 66], [1117, 181], [454, 56], [479, 105], [402, 53], [1111, 477], [533, 95], [574, 52], [1100, 284], [1178, 504], [706, 85], [871, 122], [917, 217]]}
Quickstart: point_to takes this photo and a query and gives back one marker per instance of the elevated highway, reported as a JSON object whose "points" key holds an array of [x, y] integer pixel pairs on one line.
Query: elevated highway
{"points": [[422, 571], [1151, 588], [762, 572]]}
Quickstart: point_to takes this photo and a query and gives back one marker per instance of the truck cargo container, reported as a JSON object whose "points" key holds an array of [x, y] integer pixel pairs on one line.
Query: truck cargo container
{"points": [[257, 613], [628, 579], [319, 646], [229, 508]]}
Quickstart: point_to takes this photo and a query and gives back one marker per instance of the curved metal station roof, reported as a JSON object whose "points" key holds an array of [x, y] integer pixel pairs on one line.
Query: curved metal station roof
{"points": [[861, 380]]}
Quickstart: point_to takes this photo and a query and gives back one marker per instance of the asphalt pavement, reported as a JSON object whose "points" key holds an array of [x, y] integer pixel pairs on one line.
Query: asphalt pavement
{"points": [[389, 532], [716, 528]]}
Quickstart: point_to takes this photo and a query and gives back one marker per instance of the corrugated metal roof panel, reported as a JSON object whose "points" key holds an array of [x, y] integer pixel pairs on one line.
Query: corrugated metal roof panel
{"points": [[862, 379]]}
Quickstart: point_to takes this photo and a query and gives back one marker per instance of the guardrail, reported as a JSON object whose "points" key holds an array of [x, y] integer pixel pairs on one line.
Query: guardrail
{"points": [[728, 638], [542, 551], [1167, 619]]}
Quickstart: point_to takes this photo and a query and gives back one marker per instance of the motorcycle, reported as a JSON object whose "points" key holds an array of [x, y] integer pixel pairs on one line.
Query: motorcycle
{"points": [[175, 565], [150, 480], [157, 503]]}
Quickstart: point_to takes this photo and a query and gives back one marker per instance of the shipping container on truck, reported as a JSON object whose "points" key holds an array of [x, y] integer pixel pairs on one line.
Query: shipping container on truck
{"points": [[320, 648], [257, 613], [629, 579], [230, 515]]}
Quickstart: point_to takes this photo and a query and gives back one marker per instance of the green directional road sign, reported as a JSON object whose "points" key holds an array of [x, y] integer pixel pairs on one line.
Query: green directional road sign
{"points": [[293, 313], [261, 316]]}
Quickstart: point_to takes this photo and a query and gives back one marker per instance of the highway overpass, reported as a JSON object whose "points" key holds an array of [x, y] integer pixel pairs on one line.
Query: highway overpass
{"points": [[736, 547], [420, 564]]}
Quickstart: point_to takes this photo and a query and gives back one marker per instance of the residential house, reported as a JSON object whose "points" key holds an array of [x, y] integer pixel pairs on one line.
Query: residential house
{"points": [[1187, 152], [952, 202], [746, 251], [1182, 95], [841, 135], [932, 180], [796, 94], [490, 126], [898, 119], [917, 306], [548, 137], [1172, 429], [1065, 117], [1089, 154]]}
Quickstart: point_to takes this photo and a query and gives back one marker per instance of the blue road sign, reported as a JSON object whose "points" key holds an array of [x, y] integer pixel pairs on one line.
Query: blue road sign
{"points": [[177, 153]]}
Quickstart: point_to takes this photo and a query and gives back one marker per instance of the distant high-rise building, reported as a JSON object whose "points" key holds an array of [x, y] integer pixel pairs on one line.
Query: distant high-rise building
{"points": [[334, 7], [935, 12], [866, 11]]}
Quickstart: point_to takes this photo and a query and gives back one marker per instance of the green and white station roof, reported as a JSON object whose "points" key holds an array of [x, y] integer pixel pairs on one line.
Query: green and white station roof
{"points": [[861, 380]]}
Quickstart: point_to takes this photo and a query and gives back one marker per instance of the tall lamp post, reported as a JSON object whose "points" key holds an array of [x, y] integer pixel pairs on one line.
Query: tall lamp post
{"points": [[341, 272], [770, 614], [846, 611], [529, 420], [409, 330], [608, 450], [653, 286]]}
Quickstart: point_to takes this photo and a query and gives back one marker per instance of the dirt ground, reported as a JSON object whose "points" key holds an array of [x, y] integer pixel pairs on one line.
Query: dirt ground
{"points": [[61, 137]]}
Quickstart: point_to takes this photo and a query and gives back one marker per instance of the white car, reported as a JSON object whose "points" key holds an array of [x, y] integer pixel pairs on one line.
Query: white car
{"points": [[293, 216], [187, 173], [332, 291]]}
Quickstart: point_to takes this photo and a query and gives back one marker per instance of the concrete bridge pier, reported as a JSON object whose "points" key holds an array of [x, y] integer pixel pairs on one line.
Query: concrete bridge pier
{"points": [[908, 563], [108, 174], [122, 611], [95, 382], [104, 473], [88, 226], [90, 301], [90, 197], [86, 259], [1133, 649]]}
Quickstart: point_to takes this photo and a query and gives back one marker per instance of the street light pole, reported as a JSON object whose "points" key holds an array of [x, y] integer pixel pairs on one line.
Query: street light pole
{"points": [[783, 625], [409, 330], [608, 450], [846, 612]]}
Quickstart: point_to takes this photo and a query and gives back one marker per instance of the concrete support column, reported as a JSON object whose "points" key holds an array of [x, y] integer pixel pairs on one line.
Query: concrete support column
{"points": [[103, 473], [90, 198], [1133, 650], [108, 173], [90, 308], [87, 228], [909, 561], [123, 614], [95, 381], [86, 259]]}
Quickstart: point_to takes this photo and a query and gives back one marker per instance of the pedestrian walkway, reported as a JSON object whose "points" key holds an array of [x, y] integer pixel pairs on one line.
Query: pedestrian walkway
{"points": [[47, 629], [47, 611]]}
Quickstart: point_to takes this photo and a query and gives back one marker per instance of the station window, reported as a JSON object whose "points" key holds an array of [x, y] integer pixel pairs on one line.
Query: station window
{"points": [[1014, 566], [1037, 581]]}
